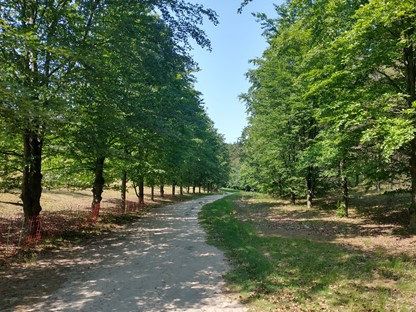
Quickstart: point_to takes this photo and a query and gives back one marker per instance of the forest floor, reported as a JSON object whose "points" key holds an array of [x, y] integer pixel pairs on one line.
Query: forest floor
{"points": [[377, 222]]}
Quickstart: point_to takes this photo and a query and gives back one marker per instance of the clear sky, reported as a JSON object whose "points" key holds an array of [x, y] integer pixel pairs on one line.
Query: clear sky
{"points": [[235, 41]]}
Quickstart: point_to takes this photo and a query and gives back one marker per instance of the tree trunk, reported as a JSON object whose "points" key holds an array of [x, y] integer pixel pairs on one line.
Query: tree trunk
{"points": [[193, 189], [173, 189], [293, 198], [152, 194], [309, 188], [123, 191], [344, 189], [162, 190], [141, 193], [31, 189], [181, 189], [98, 187]]}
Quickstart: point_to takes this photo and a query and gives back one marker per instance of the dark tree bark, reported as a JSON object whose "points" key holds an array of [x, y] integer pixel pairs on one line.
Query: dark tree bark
{"points": [[309, 187], [141, 193], [152, 194], [173, 189], [162, 190], [123, 191], [31, 189], [344, 188], [98, 187]]}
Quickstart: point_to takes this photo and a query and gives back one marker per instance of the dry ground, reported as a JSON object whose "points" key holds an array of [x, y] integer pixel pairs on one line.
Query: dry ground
{"points": [[376, 222], [28, 273]]}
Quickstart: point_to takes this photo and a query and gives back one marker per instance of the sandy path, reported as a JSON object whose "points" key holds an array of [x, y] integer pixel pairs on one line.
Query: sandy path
{"points": [[160, 263]]}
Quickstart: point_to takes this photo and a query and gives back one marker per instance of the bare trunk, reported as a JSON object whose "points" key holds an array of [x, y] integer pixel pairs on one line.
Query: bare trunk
{"points": [[31, 189], [173, 189], [344, 189], [141, 193], [293, 198], [98, 187], [152, 194], [309, 188], [181, 189], [123, 191], [162, 190]]}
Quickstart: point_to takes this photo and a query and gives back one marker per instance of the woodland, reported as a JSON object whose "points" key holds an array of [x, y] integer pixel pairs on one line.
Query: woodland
{"points": [[332, 102], [100, 93]]}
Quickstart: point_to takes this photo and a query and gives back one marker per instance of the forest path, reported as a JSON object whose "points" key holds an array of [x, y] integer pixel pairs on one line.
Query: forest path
{"points": [[160, 263]]}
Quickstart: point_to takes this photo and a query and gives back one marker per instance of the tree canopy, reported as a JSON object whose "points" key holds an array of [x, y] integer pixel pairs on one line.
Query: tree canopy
{"points": [[91, 89], [332, 99]]}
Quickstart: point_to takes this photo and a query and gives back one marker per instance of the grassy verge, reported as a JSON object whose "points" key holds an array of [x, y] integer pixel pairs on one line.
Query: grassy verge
{"points": [[299, 274]]}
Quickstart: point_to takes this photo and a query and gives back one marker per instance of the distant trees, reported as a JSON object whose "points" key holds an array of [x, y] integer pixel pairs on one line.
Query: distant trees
{"points": [[332, 98], [97, 91]]}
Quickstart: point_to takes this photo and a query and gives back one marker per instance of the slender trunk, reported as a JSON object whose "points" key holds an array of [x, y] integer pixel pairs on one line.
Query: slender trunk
{"points": [[123, 191], [141, 193], [173, 189], [345, 195], [181, 189], [31, 189], [162, 190], [293, 198], [193, 189], [309, 187], [152, 193], [344, 188], [98, 186], [188, 189]]}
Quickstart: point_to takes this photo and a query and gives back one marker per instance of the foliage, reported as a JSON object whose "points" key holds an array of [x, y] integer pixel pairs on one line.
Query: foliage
{"points": [[100, 87], [333, 96]]}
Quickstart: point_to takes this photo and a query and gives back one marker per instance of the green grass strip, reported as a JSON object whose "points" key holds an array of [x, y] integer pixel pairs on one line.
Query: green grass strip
{"points": [[300, 274]]}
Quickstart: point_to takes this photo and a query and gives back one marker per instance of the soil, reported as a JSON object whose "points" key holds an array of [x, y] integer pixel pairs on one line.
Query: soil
{"points": [[158, 263], [377, 232]]}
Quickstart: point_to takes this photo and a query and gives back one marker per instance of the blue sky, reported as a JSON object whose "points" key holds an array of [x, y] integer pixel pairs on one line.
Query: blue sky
{"points": [[235, 41]]}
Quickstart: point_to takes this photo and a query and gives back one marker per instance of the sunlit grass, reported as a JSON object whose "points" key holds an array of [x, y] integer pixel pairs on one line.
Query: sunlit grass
{"points": [[300, 274]]}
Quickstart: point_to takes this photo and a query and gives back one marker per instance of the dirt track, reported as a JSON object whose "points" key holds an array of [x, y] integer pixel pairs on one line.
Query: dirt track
{"points": [[160, 263]]}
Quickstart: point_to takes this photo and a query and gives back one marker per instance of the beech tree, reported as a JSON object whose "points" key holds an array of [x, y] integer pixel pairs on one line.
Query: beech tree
{"points": [[80, 67]]}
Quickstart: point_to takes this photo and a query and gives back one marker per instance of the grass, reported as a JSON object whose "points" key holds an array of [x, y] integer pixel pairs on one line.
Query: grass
{"points": [[295, 273]]}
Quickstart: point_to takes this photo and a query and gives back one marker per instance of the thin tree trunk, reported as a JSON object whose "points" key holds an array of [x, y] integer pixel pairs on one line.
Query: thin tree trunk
{"points": [[141, 193], [344, 189], [123, 191], [181, 189], [173, 189], [293, 198], [152, 194], [309, 188], [162, 190]]}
